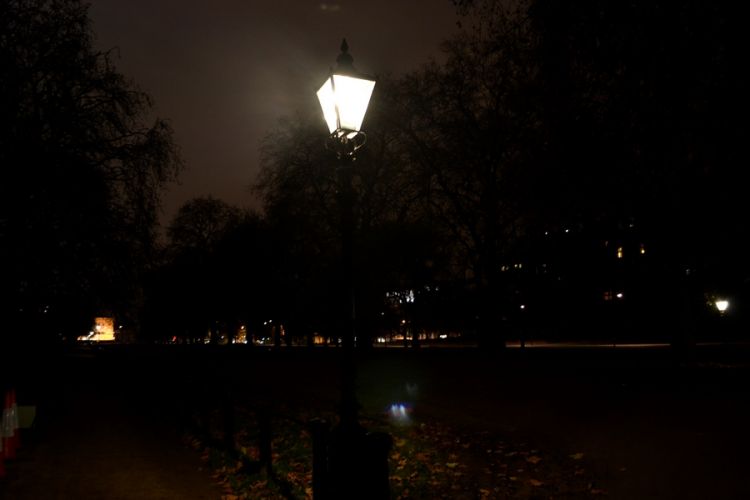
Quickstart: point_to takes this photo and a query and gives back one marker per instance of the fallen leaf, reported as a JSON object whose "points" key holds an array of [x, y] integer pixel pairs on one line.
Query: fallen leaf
{"points": [[534, 482], [451, 465], [576, 456], [533, 459]]}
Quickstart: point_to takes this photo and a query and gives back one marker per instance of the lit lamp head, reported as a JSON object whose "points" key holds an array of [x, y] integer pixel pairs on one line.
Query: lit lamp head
{"points": [[344, 97], [722, 305]]}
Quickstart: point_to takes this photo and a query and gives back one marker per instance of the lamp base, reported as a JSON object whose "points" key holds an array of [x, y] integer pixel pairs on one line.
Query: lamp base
{"points": [[350, 462]]}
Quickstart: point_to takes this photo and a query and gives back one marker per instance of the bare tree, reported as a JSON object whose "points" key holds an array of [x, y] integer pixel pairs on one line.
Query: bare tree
{"points": [[84, 167]]}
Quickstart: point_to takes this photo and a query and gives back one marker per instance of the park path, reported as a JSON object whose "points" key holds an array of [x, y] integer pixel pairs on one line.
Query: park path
{"points": [[96, 440]]}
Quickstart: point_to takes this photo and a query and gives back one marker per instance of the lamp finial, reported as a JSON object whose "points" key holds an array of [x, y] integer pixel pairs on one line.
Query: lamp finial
{"points": [[345, 60]]}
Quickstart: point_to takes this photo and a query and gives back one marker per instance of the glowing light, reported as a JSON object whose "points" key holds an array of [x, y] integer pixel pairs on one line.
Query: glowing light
{"points": [[619, 295], [344, 100], [443, 336], [399, 412], [619, 252], [103, 330], [523, 306], [722, 305], [643, 249]]}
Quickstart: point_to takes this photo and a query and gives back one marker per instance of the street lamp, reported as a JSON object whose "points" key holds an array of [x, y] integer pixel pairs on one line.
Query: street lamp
{"points": [[349, 462], [721, 305], [344, 97]]}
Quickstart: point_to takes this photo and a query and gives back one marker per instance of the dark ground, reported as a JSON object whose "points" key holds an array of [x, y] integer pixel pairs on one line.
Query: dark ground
{"points": [[648, 424], [99, 435]]}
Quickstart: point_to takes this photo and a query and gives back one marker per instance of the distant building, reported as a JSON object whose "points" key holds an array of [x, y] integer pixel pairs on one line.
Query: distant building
{"points": [[103, 331]]}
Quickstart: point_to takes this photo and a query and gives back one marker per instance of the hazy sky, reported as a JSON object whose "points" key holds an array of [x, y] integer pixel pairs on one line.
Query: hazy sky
{"points": [[223, 72]]}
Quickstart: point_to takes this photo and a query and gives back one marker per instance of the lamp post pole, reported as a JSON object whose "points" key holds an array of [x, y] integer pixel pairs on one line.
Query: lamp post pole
{"points": [[351, 463], [349, 405]]}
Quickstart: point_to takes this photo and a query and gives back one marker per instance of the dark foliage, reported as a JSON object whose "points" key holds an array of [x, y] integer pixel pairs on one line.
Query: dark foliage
{"points": [[82, 170]]}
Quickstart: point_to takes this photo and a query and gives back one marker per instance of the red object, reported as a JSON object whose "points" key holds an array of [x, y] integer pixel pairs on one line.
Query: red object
{"points": [[2, 459], [10, 431]]}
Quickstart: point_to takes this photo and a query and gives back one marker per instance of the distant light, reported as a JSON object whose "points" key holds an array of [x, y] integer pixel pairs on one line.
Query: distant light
{"points": [[403, 321], [399, 412], [381, 340], [443, 336], [523, 306], [333, 7], [619, 252], [643, 249], [722, 305], [619, 295], [567, 230]]}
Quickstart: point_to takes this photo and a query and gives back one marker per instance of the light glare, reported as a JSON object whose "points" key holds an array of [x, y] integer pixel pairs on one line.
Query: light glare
{"points": [[344, 100], [399, 412]]}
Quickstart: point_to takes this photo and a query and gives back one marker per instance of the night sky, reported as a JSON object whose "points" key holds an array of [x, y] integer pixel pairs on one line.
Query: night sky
{"points": [[224, 72]]}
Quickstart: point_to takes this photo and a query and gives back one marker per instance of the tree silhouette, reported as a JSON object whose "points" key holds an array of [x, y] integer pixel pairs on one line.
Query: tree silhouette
{"points": [[84, 172], [472, 132], [395, 245]]}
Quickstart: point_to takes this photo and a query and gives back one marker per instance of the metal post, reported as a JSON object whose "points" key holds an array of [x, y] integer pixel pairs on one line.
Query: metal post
{"points": [[349, 407]]}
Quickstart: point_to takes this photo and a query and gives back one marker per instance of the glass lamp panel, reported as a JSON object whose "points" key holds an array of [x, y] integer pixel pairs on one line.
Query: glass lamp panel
{"points": [[352, 96], [328, 104]]}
